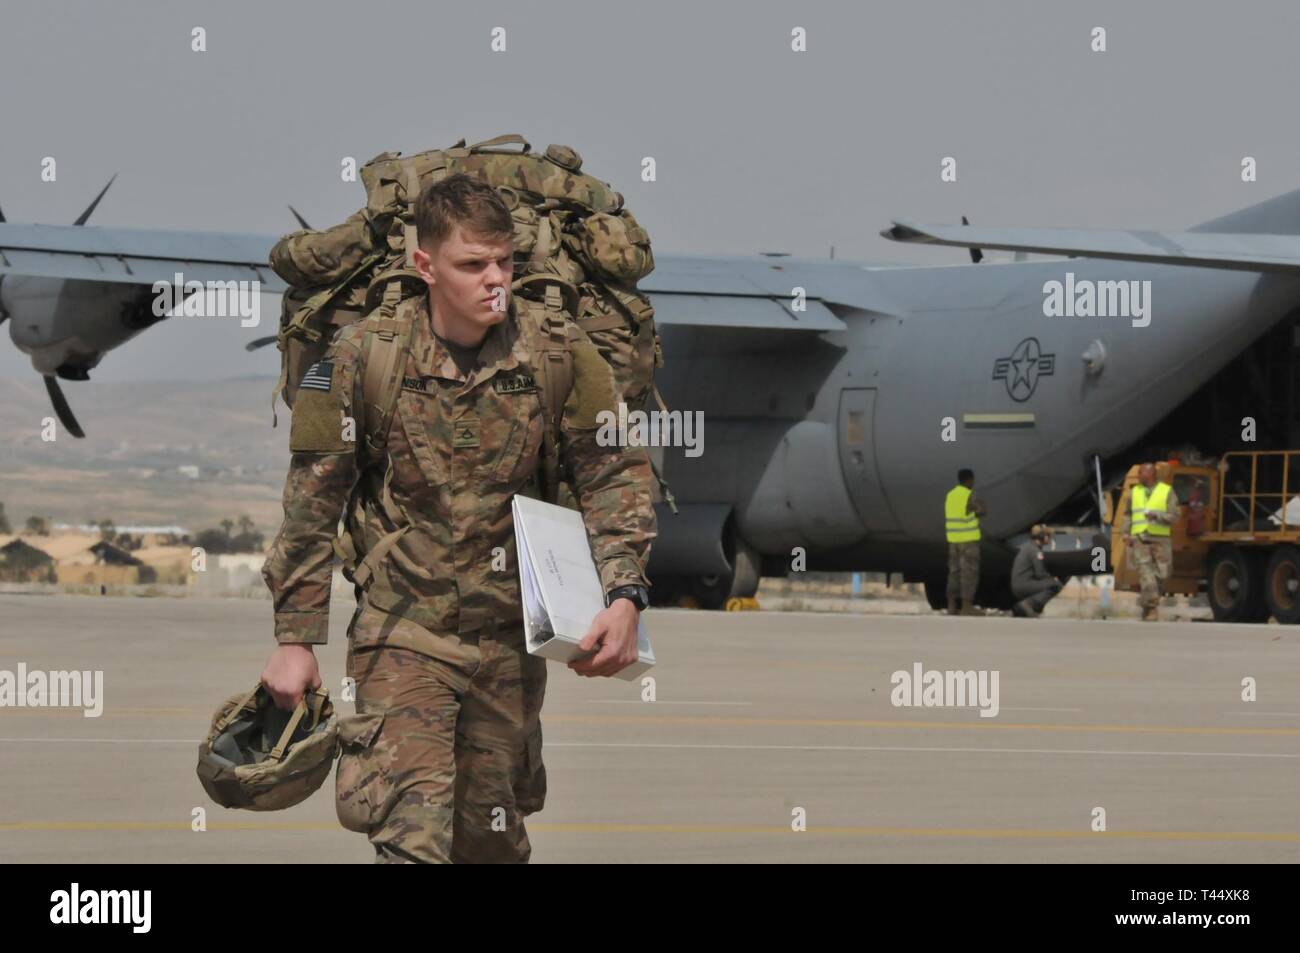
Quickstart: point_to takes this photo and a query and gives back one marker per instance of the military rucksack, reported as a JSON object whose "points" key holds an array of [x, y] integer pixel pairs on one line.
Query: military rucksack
{"points": [[578, 256]]}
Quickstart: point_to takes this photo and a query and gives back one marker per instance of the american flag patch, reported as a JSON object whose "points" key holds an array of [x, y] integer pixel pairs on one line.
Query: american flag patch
{"points": [[318, 376]]}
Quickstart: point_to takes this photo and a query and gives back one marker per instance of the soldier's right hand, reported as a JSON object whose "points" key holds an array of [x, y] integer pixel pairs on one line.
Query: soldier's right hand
{"points": [[290, 671]]}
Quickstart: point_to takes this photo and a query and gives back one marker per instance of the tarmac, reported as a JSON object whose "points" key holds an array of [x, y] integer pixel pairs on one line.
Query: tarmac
{"points": [[773, 737]]}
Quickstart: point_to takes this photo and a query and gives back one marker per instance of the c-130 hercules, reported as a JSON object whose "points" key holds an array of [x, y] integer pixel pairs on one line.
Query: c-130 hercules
{"points": [[836, 420]]}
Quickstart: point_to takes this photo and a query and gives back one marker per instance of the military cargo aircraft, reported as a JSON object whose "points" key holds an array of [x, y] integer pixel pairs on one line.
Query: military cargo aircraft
{"points": [[841, 398]]}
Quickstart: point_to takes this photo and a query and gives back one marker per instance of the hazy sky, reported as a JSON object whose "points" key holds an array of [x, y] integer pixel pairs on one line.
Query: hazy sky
{"points": [[758, 148]]}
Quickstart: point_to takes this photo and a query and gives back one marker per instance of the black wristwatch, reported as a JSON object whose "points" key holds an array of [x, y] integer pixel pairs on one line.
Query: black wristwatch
{"points": [[639, 595]]}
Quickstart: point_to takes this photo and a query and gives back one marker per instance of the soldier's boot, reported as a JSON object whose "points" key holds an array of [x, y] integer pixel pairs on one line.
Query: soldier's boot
{"points": [[1151, 614], [952, 605], [968, 608], [1022, 610]]}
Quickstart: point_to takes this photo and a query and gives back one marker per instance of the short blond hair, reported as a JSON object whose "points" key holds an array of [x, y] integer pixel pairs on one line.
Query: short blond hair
{"points": [[461, 200]]}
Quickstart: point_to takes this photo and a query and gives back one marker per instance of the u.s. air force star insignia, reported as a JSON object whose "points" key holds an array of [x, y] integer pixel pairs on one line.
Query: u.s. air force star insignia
{"points": [[1020, 372], [514, 384]]}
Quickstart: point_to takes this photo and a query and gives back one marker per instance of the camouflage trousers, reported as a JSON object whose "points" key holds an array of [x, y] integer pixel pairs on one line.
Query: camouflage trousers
{"points": [[442, 760], [963, 570], [1153, 557]]}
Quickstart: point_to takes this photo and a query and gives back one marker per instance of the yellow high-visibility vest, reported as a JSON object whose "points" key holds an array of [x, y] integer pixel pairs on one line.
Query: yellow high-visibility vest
{"points": [[1157, 499], [962, 527]]}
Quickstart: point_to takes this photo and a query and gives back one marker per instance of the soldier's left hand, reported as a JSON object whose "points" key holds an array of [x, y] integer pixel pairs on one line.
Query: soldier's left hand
{"points": [[614, 630]]}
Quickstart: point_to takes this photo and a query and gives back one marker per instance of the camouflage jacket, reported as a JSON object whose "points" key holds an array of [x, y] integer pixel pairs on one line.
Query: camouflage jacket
{"points": [[458, 449]]}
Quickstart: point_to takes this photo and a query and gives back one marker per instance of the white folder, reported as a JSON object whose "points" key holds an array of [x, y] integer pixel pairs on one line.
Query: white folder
{"points": [[559, 585]]}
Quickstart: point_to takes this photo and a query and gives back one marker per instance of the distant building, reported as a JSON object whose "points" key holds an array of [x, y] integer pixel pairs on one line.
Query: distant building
{"points": [[171, 563], [188, 470], [102, 563], [21, 562], [151, 528]]}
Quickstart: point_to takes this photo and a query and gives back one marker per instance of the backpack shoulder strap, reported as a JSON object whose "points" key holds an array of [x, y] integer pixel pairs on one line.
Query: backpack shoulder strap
{"points": [[548, 334], [383, 361], [384, 347]]}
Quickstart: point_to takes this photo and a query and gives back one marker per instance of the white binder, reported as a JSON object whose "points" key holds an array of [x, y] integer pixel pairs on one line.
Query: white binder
{"points": [[559, 585]]}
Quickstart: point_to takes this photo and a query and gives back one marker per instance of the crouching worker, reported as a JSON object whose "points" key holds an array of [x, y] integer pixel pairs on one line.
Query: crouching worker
{"points": [[1031, 583]]}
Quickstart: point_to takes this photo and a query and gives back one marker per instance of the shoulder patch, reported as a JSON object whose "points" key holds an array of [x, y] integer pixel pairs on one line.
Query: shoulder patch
{"points": [[318, 377], [318, 417], [593, 388]]}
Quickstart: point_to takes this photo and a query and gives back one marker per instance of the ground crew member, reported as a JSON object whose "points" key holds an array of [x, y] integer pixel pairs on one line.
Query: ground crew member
{"points": [[962, 510], [1031, 583], [443, 758], [1153, 510]]}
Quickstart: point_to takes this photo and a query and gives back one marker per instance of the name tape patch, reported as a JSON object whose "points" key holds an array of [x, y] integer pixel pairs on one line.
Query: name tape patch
{"points": [[514, 384]]}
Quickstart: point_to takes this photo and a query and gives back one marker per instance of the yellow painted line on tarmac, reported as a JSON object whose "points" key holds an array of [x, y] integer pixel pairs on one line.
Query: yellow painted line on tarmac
{"points": [[107, 712], [589, 828], [975, 723], [724, 721], [168, 826]]}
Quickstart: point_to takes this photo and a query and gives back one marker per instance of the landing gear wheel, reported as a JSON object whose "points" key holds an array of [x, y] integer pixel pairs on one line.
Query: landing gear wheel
{"points": [[936, 593], [1235, 585], [713, 592], [1282, 585]]}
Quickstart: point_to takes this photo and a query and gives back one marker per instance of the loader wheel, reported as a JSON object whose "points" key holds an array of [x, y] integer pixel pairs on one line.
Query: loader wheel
{"points": [[1235, 585], [1283, 585], [936, 592]]}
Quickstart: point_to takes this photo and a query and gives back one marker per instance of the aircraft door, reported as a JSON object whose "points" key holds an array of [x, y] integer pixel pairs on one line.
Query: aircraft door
{"points": [[856, 439]]}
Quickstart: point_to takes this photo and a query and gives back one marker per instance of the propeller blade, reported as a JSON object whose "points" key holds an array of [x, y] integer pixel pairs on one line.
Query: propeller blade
{"points": [[61, 407], [261, 342], [2, 215], [976, 256], [301, 221], [85, 216]]}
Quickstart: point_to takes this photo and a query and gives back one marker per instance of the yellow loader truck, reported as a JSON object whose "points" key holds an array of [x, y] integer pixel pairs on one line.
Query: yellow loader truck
{"points": [[1237, 537]]}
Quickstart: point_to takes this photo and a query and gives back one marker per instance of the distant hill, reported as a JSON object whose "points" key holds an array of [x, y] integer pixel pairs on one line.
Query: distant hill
{"points": [[137, 436]]}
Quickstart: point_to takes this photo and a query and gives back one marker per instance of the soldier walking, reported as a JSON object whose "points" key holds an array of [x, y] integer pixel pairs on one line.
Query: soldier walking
{"points": [[1148, 526], [443, 759]]}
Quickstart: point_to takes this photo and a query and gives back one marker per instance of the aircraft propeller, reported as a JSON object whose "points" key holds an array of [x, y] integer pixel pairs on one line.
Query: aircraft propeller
{"points": [[61, 406], [976, 256], [57, 399]]}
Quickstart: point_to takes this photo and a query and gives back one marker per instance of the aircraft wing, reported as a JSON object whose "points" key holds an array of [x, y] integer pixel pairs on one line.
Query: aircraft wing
{"points": [[1236, 252], [703, 291], [135, 255], [758, 292]]}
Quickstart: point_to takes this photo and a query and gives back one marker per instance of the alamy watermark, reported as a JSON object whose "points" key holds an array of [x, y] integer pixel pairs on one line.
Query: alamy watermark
{"points": [[655, 428], [56, 689], [1085, 298], [132, 907], [209, 299], [946, 689]]}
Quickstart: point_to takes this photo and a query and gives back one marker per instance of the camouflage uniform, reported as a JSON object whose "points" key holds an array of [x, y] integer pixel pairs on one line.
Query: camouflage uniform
{"points": [[448, 700], [1153, 555]]}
